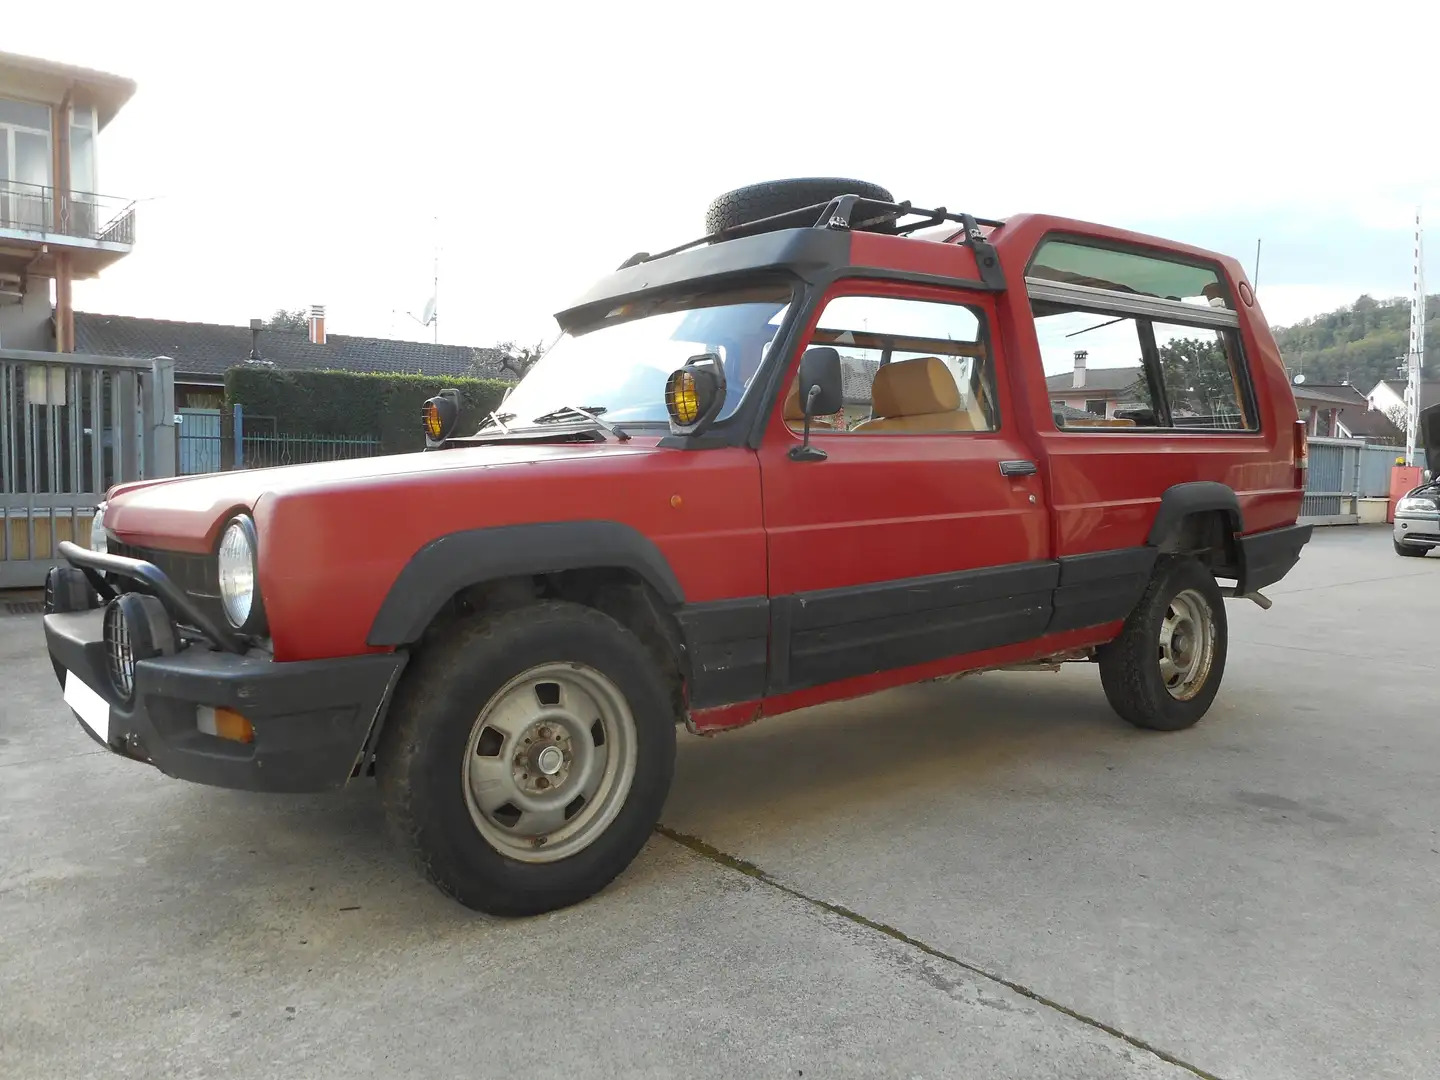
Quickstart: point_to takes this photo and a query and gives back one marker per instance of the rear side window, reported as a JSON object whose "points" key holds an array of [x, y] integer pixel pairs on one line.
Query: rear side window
{"points": [[1133, 342], [1115, 372]]}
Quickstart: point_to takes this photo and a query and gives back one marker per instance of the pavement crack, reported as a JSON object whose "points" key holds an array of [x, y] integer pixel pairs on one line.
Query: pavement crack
{"points": [[52, 758], [1344, 584], [749, 869]]}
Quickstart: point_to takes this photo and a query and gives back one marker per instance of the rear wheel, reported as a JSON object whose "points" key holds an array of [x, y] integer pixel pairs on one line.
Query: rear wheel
{"points": [[526, 761], [1164, 669], [1409, 551]]}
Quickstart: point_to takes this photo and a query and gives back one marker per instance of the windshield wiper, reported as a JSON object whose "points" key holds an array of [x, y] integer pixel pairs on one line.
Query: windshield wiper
{"points": [[589, 412], [498, 419]]}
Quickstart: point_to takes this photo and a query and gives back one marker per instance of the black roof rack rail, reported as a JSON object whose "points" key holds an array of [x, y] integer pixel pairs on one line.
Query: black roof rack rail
{"points": [[853, 212]]}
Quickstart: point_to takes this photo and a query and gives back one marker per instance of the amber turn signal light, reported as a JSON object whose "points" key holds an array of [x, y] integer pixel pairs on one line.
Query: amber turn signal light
{"points": [[224, 723]]}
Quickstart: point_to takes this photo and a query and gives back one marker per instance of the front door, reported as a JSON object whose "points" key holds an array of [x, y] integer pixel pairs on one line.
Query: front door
{"points": [[924, 533]]}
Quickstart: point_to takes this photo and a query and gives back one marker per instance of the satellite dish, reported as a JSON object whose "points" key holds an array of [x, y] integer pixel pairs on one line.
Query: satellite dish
{"points": [[1299, 378], [428, 315]]}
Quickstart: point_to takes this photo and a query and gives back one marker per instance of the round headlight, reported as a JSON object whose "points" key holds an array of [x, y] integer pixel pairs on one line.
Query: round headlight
{"points": [[239, 589], [97, 529]]}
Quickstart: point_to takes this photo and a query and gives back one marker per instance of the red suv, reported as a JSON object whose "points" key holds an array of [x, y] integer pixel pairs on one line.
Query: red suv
{"points": [[837, 445]]}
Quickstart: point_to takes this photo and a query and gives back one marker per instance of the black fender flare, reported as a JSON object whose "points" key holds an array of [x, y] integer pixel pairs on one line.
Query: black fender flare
{"points": [[1197, 497], [449, 563]]}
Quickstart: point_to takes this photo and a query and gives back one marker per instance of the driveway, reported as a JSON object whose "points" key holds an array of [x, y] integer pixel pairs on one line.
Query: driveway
{"points": [[990, 878]]}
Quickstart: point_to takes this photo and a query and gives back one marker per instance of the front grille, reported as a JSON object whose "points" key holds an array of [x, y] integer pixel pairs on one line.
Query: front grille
{"points": [[197, 575]]}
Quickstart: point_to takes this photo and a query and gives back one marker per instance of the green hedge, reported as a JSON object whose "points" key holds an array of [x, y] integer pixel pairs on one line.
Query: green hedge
{"points": [[343, 404]]}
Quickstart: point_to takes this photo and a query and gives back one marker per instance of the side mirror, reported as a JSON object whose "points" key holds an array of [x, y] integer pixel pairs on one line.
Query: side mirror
{"points": [[822, 392], [439, 416], [695, 394]]}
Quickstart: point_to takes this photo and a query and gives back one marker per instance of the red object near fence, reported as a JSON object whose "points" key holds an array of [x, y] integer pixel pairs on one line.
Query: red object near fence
{"points": [[1403, 478]]}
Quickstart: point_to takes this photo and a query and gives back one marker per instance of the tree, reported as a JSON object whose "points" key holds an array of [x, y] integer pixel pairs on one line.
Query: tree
{"points": [[283, 319], [1198, 380], [1397, 416]]}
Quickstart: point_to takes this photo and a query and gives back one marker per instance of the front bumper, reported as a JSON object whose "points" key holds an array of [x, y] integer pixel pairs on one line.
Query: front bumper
{"points": [[1417, 530], [313, 722]]}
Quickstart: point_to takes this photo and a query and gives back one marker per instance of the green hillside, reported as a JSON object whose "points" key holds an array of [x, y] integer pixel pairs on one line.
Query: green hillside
{"points": [[1362, 342]]}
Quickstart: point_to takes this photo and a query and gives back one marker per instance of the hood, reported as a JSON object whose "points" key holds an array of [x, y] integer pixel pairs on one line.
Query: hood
{"points": [[1430, 436], [185, 513]]}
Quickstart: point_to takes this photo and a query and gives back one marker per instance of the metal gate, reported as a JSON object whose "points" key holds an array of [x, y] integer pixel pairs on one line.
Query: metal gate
{"points": [[1343, 471], [72, 425], [198, 441]]}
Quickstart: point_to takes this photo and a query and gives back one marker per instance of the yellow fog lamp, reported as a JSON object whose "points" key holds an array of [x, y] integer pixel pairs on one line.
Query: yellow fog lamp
{"points": [[695, 393], [438, 417]]}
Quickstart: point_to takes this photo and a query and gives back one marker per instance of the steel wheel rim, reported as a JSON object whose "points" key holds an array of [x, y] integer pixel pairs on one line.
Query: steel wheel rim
{"points": [[549, 762], [1187, 644]]}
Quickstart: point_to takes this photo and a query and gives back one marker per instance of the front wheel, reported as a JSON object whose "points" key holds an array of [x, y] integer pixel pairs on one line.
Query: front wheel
{"points": [[526, 760], [1164, 669]]}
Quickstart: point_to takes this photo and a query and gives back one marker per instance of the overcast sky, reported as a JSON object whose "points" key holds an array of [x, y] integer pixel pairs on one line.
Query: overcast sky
{"points": [[297, 153]]}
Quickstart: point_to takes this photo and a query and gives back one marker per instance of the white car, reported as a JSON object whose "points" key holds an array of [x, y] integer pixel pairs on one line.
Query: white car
{"points": [[1417, 514]]}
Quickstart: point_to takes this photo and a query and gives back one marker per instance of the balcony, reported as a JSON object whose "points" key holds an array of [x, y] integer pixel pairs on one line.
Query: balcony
{"points": [[95, 229]]}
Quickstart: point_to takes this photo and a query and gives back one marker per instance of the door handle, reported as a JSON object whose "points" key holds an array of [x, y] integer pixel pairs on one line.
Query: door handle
{"points": [[1018, 468]]}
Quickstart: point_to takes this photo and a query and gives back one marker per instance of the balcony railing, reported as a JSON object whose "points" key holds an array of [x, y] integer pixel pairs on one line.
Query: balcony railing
{"points": [[31, 208]]}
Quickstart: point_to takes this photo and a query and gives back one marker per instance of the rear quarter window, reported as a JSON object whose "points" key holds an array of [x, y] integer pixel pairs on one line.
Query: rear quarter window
{"points": [[1134, 342]]}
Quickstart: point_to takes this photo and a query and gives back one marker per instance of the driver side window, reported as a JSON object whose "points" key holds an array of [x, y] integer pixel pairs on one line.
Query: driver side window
{"points": [[908, 367]]}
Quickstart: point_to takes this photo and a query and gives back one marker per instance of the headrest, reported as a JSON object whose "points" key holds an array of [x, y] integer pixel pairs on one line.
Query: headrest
{"points": [[917, 387], [793, 411]]}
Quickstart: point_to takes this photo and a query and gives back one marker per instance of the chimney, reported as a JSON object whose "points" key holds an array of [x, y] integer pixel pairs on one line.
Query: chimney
{"points": [[256, 325], [317, 324], [1080, 357]]}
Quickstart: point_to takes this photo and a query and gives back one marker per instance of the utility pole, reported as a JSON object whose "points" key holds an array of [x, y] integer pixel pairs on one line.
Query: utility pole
{"points": [[1416, 357]]}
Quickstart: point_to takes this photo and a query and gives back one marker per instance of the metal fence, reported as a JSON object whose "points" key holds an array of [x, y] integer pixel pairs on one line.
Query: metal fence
{"points": [[214, 440], [70, 427], [31, 208], [1343, 471], [267, 451], [259, 444]]}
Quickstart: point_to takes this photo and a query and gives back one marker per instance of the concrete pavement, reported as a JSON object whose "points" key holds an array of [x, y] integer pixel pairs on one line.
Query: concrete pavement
{"points": [[993, 878]]}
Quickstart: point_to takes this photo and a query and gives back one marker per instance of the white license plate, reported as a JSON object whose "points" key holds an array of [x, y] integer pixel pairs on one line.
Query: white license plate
{"points": [[93, 709]]}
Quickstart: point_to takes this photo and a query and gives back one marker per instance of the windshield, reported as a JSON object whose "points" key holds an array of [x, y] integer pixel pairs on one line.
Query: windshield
{"points": [[617, 367]]}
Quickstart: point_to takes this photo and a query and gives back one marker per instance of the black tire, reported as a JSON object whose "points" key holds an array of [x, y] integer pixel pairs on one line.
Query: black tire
{"points": [[756, 201], [425, 740], [1410, 552], [1130, 668]]}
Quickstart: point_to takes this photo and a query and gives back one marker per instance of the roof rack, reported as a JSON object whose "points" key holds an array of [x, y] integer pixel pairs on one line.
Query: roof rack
{"points": [[841, 213]]}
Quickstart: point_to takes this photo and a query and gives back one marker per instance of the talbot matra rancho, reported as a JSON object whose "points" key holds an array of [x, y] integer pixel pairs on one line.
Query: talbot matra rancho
{"points": [[810, 456]]}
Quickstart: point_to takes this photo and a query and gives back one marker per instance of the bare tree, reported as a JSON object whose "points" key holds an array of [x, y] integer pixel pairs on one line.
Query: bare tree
{"points": [[1397, 416], [519, 358]]}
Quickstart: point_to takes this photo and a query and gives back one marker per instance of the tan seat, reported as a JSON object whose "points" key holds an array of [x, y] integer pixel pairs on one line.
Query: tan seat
{"points": [[795, 415], [915, 395], [1113, 421]]}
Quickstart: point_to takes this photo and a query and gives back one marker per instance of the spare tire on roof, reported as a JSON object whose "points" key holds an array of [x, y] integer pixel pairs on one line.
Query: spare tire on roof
{"points": [[756, 201]]}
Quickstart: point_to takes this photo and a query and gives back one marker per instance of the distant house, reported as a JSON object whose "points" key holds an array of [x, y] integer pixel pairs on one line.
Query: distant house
{"points": [[1389, 394], [1096, 391], [203, 352]]}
